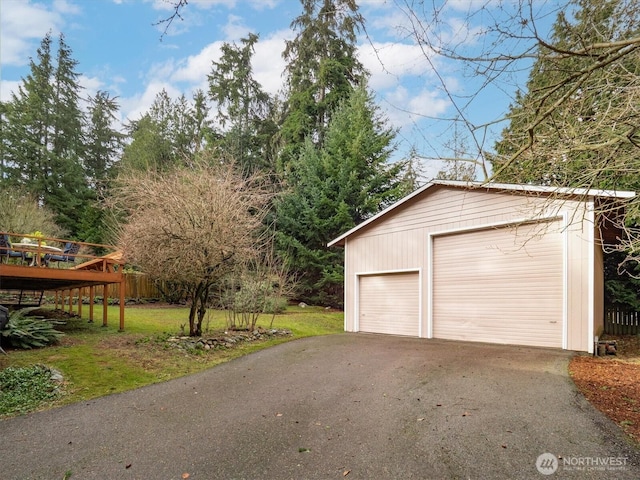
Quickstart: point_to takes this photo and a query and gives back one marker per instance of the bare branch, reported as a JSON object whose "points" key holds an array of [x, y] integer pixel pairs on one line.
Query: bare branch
{"points": [[177, 6]]}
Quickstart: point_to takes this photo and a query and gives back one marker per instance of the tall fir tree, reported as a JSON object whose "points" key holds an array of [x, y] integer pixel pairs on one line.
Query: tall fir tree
{"points": [[334, 188], [43, 136], [103, 148], [245, 110], [322, 70]]}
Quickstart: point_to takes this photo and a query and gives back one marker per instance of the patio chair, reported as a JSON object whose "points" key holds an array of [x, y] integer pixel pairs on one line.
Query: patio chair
{"points": [[68, 254], [6, 250]]}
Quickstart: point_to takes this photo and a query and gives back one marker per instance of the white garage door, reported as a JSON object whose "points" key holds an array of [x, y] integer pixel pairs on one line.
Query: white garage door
{"points": [[389, 304], [502, 285]]}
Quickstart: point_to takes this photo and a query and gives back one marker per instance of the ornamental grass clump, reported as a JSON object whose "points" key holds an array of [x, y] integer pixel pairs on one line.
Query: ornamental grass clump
{"points": [[29, 331]]}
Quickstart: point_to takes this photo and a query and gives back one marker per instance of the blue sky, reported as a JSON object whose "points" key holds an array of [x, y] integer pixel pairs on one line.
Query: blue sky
{"points": [[120, 50]]}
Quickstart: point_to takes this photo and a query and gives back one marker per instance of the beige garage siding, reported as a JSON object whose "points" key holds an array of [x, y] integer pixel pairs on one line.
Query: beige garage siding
{"points": [[389, 303], [501, 285]]}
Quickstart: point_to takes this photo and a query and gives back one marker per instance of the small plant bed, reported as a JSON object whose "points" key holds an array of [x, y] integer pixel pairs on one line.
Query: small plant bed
{"points": [[612, 383], [224, 340], [27, 388]]}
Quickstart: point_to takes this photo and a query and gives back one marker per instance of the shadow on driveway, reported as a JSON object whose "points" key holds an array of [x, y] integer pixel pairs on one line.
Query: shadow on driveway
{"points": [[352, 406]]}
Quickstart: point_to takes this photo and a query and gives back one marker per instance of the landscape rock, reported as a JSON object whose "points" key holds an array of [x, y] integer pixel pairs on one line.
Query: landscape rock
{"points": [[230, 339]]}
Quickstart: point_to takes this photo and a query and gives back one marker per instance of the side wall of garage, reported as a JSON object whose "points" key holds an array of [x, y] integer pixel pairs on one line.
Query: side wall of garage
{"points": [[399, 240]]}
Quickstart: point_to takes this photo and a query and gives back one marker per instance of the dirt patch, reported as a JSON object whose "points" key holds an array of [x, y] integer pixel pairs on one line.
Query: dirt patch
{"points": [[612, 383]]}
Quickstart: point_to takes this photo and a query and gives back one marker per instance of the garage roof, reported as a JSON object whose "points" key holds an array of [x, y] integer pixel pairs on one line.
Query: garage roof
{"points": [[517, 188]]}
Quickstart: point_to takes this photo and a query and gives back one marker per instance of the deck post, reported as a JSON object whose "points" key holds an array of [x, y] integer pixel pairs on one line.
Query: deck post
{"points": [[92, 294], [122, 292], [56, 300], [105, 303], [70, 302], [80, 292]]}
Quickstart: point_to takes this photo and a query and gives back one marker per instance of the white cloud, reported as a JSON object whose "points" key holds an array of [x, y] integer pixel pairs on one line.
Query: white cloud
{"points": [[389, 62], [65, 7], [168, 5], [264, 4], [404, 108], [470, 5], [235, 28], [22, 25], [132, 108], [8, 86], [195, 68], [428, 103], [90, 85], [268, 64]]}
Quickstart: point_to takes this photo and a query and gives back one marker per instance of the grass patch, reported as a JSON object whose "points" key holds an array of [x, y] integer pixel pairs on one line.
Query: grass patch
{"points": [[97, 361]]}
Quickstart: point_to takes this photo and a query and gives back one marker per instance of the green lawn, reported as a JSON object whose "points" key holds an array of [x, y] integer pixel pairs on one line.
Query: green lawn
{"points": [[97, 360]]}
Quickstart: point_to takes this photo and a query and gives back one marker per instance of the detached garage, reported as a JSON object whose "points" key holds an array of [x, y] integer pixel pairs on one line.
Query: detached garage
{"points": [[495, 263]]}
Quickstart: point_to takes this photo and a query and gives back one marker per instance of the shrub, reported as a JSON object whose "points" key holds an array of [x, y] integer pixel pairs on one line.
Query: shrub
{"points": [[29, 331], [275, 305], [23, 389]]}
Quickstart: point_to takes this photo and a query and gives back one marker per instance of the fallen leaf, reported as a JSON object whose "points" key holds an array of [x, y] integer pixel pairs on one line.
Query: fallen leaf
{"points": [[504, 446], [438, 404], [185, 475], [465, 414], [346, 472], [421, 419], [127, 466], [304, 450], [319, 424], [278, 414]]}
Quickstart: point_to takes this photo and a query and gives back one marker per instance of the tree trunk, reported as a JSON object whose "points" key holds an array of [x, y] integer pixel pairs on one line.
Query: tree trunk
{"points": [[192, 318], [202, 306], [195, 325]]}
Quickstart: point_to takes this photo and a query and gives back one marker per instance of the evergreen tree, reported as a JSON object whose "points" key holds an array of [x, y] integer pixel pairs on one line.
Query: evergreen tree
{"points": [[169, 134], [576, 125], [245, 111], [103, 147], [334, 188], [322, 70], [43, 137]]}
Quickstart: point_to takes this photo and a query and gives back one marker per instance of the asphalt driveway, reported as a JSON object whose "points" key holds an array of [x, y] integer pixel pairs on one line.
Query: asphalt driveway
{"points": [[352, 406]]}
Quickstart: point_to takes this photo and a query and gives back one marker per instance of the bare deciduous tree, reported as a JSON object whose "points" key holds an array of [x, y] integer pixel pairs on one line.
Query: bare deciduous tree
{"points": [[21, 213], [192, 226]]}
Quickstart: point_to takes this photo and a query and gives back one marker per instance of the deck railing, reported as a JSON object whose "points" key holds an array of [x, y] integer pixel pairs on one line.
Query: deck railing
{"points": [[88, 251]]}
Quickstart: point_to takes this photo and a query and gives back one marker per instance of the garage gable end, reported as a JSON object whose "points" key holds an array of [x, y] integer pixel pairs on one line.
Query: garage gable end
{"points": [[505, 264]]}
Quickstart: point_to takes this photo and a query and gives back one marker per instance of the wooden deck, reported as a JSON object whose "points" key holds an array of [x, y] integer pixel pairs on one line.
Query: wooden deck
{"points": [[91, 271]]}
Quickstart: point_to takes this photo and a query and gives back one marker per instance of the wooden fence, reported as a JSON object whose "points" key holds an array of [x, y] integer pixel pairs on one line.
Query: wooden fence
{"points": [[137, 285], [620, 321]]}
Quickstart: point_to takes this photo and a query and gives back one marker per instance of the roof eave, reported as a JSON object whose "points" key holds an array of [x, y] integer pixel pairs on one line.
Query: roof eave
{"points": [[579, 192]]}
